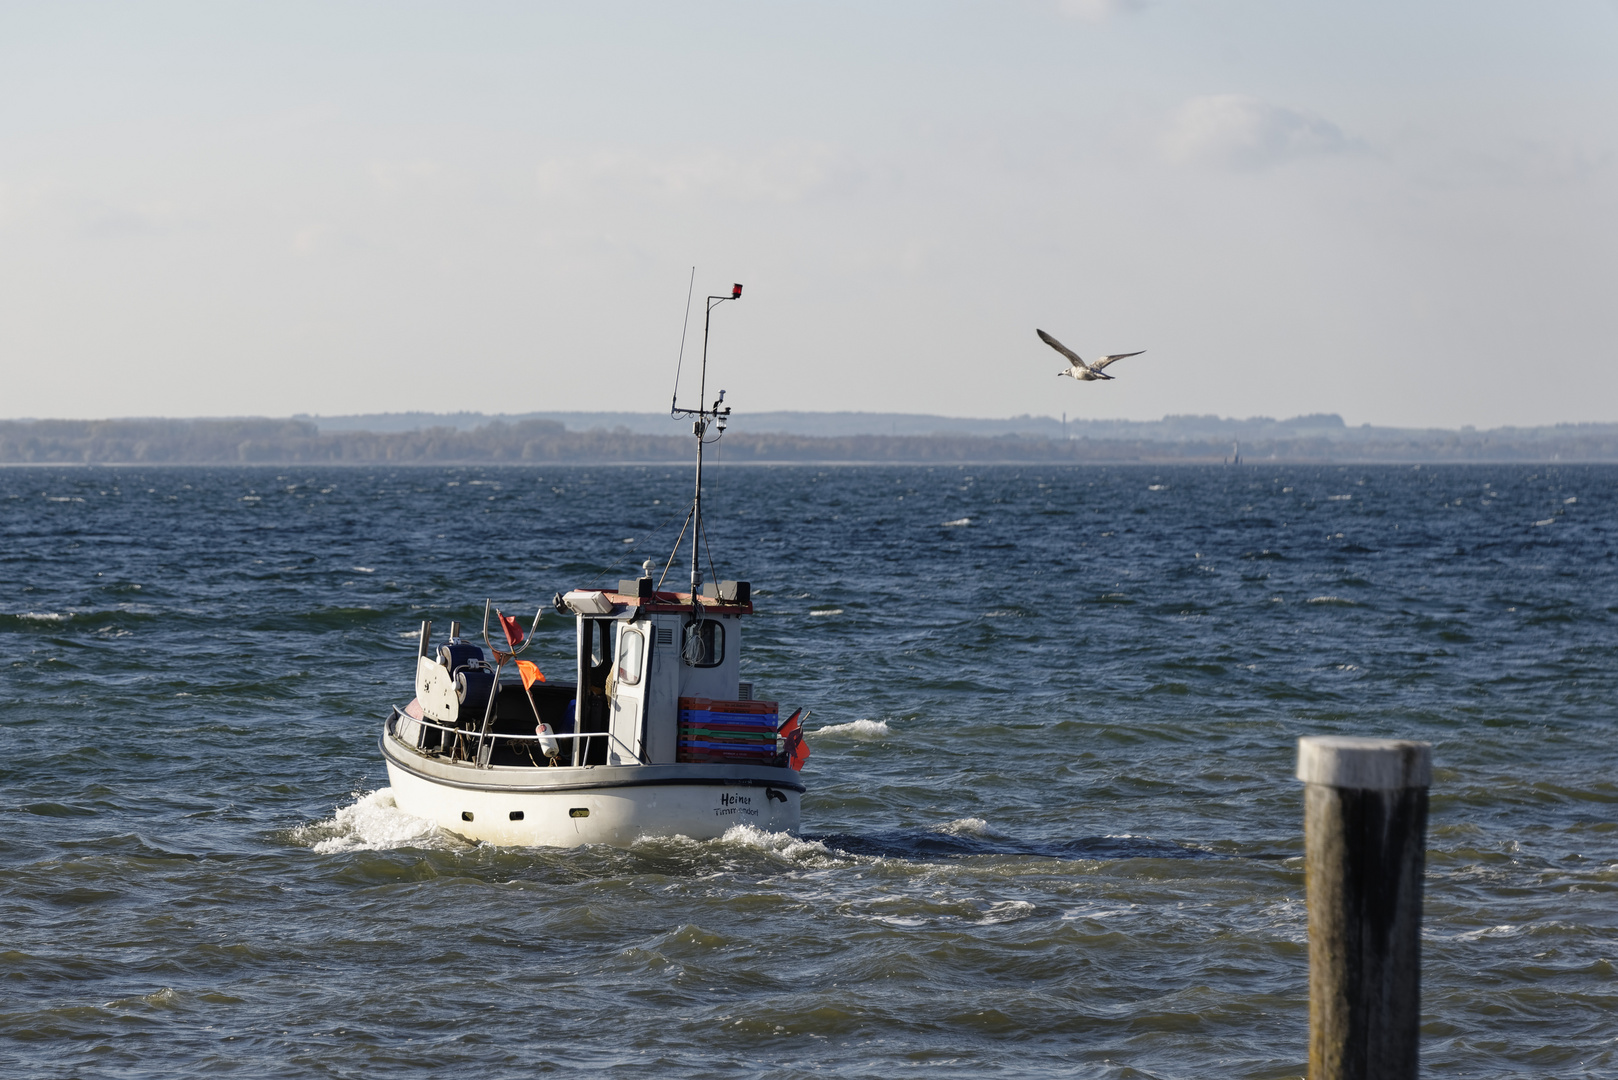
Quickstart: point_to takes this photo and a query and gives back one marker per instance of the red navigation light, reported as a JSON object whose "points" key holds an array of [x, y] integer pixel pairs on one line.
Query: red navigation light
{"points": [[735, 292]]}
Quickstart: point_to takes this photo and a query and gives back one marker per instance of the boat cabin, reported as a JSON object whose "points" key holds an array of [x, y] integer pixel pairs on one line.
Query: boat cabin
{"points": [[640, 652], [656, 680]]}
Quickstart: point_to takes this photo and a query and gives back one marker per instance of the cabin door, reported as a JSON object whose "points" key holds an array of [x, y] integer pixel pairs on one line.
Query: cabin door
{"points": [[629, 695]]}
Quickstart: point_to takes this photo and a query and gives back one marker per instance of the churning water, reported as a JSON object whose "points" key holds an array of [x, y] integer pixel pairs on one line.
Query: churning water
{"points": [[1050, 827]]}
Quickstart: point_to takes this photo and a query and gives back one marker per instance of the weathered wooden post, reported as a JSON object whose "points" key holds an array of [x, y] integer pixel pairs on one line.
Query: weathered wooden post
{"points": [[1365, 840]]}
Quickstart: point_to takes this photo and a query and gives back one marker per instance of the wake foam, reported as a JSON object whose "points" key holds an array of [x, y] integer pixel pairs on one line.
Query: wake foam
{"points": [[859, 729], [751, 838], [372, 822], [781, 843]]}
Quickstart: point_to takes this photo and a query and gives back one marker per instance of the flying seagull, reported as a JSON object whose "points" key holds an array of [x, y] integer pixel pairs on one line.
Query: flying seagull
{"points": [[1080, 370]]}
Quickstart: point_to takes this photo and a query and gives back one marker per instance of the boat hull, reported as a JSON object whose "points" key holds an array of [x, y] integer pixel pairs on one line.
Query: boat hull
{"points": [[570, 807]]}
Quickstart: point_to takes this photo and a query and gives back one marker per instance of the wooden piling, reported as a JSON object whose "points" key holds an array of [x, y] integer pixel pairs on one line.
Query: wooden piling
{"points": [[1365, 839]]}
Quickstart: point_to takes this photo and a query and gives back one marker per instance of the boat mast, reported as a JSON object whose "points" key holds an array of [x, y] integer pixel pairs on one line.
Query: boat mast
{"points": [[714, 414]]}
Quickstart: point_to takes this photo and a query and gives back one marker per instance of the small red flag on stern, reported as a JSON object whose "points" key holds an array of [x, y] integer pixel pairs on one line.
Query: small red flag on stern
{"points": [[791, 733], [512, 628], [789, 726]]}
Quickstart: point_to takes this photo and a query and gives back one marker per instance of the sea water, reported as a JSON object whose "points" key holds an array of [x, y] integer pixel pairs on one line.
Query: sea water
{"points": [[1051, 827]]}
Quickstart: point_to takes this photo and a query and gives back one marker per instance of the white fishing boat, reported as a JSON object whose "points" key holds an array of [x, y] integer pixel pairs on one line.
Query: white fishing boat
{"points": [[657, 734]]}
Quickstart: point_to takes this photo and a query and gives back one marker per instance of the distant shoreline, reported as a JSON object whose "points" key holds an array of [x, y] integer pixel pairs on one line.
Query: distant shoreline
{"points": [[537, 440], [801, 464]]}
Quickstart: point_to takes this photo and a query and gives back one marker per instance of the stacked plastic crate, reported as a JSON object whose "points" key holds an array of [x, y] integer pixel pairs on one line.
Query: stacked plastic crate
{"points": [[741, 732]]}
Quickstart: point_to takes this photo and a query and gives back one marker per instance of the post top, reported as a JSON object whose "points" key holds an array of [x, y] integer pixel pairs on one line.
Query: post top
{"points": [[1346, 762]]}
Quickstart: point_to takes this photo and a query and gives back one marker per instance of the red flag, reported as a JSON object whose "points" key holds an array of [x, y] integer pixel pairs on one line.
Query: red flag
{"points": [[790, 727], [512, 628], [797, 750], [530, 673]]}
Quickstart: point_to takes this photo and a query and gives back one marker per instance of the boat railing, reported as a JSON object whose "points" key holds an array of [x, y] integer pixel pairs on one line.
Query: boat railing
{"points": [[473, 739]]}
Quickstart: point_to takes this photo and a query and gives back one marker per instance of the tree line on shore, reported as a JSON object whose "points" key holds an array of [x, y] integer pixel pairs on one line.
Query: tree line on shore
{"points": [[260, 441]]}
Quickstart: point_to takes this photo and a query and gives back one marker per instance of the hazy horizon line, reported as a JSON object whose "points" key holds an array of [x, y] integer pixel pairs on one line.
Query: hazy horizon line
{"points": [[743, 416]]}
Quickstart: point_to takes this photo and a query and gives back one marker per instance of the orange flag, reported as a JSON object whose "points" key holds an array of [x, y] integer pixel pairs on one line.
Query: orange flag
{"points": [[530, 673]]}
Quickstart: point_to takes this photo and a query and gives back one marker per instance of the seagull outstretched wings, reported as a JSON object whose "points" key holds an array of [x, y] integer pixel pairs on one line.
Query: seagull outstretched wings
{"points": [[1073, 357], [1078, 369], [1105, 360]]}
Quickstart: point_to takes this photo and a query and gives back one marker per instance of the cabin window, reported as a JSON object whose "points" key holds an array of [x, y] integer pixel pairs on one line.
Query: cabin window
{"points": [[631, 650], [704, 643], [600, 641]]}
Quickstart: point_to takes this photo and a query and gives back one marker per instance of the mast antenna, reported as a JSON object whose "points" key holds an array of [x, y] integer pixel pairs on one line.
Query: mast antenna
{"points": [[716, 415], [685, 325]]}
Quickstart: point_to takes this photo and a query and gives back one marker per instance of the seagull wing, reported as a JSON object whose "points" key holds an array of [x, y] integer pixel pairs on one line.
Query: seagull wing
{"points": [[1105, 360], [1073, 357]]}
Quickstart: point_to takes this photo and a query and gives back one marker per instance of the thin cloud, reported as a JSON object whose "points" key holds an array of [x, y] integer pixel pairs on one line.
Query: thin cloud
{"points": [[784, 173], [1236, 131], [152, 219], [1097, 11]]}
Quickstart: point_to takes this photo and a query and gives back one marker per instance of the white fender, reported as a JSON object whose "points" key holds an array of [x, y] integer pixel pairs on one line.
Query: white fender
{"points": [[547, 744]]}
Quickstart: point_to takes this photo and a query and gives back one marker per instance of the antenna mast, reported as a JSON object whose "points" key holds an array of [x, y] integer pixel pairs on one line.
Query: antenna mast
{"points": [[717, 414]]}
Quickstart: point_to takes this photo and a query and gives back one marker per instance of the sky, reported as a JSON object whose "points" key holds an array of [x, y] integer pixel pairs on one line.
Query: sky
{"points": [[1405, 213]]}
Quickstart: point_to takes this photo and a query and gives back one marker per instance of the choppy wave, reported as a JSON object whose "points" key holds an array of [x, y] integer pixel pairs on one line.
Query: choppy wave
{"points": [[856, 729], [967, 826], [1008, 911], [1066, 838]]}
